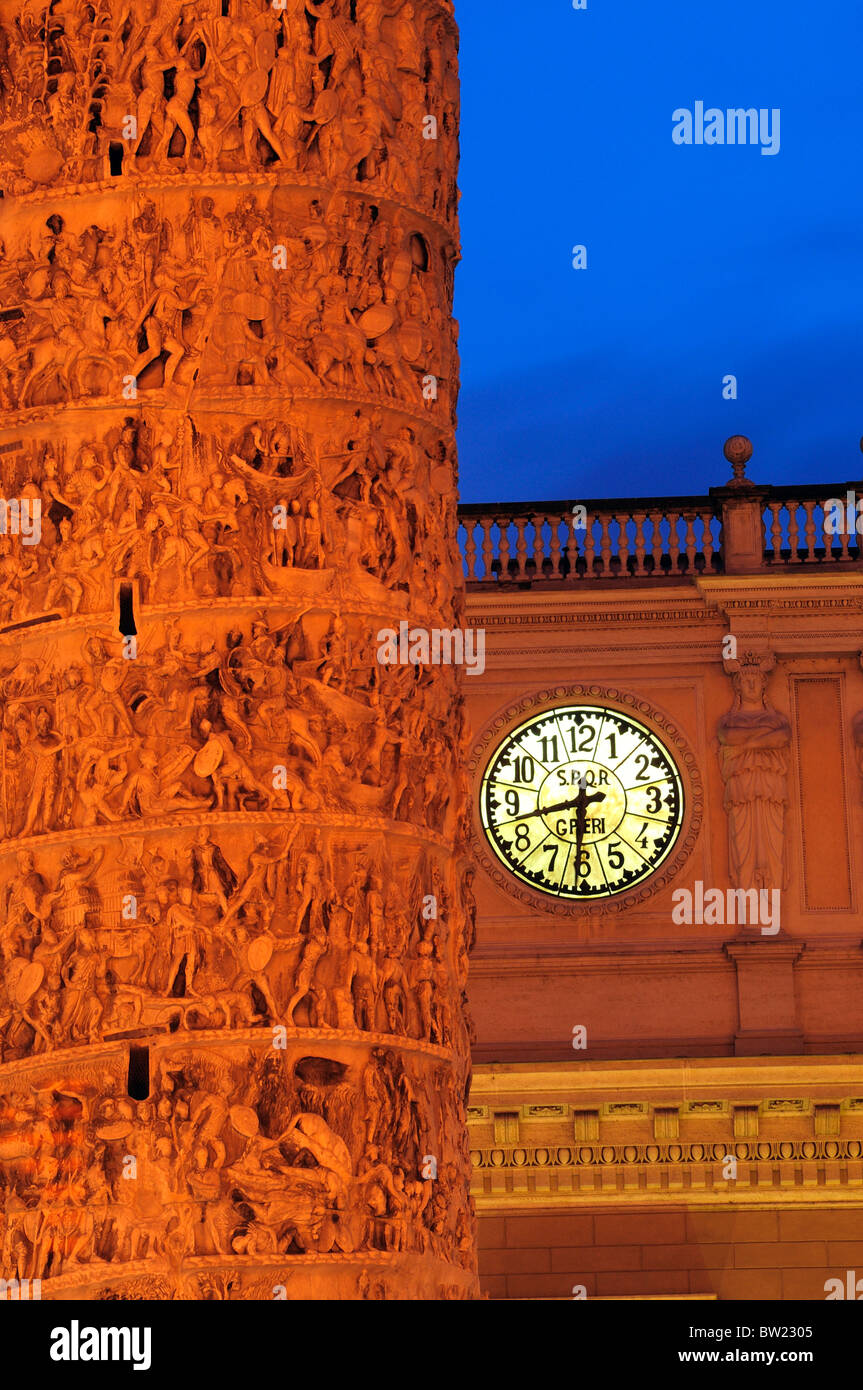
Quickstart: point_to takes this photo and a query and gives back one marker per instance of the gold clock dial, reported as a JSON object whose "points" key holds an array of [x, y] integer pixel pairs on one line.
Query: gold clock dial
{"points": [[581, 801]]}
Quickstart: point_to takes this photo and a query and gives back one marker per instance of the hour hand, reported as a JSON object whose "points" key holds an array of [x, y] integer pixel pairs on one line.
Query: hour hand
{"points": [[569, 805]]}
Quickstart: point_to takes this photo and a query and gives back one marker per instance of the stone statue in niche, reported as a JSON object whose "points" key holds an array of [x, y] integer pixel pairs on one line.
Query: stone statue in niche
{"points": [[754, 746]]}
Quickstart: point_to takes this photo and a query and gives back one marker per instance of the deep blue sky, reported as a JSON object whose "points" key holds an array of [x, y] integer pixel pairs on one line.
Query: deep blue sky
{"points": [[701, 261]]}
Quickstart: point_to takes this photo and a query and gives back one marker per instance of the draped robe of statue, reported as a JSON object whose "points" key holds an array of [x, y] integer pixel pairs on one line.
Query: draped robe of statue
{"points": [[754, 742]]}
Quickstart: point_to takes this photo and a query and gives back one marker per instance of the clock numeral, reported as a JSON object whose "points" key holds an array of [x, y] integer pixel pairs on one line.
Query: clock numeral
{"points": [[522, 834], [588, 734], [611, 739], [583, 868], [641, 838], [643, 775], [546, 756], [511, 799], [615, 858], [656, 797], [552, 850], [522, 769]]}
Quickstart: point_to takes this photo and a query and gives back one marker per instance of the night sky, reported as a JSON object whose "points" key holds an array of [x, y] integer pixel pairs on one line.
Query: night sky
{"points": [[702, 261]]}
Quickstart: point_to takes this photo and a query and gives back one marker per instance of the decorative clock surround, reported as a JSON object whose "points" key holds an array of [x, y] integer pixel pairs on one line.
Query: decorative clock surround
{"points": [[668, 742]]}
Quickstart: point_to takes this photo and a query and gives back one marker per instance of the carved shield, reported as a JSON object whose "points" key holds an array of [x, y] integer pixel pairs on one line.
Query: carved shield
{"points": [[410, 341], [208, 758], [400, 272], [254, 87], [377, 320], [14, 970], [112, 678], [265, 50], [244, 1120], [29, 981], [326, 106], [43, 164], [260, 952]]}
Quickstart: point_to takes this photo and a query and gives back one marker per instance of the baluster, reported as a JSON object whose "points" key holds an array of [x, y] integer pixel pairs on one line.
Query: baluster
{"points": [[538, 547], [707, 541], [470, 550], [809, 509], [503, 572], [605, 543], [793, 531], [673, 542], [844, 538], [623, 545], [656, 542], [520, 547], [590, 549], [690, 542], [640, 542], [554, 522], [776, 532], [486, 523], [572, 551]]}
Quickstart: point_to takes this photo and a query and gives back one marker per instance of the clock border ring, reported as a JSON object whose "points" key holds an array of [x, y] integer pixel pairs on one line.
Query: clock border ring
{"points": [[625, 702]]}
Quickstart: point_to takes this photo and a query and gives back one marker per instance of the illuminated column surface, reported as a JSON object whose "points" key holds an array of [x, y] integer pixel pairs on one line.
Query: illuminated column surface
{"points": [[236, 905]]}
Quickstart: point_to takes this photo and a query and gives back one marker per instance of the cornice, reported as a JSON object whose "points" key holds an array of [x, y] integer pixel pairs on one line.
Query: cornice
{"points": [[775, 583], [658, 961], [587, 1134], [566, 1080]]}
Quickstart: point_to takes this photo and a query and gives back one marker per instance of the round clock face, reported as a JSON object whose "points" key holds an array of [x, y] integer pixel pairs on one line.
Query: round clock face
{"points": [[581, 802]]}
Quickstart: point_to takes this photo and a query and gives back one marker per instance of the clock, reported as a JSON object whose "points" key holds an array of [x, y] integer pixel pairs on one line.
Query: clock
{"points": [[581, 802]]}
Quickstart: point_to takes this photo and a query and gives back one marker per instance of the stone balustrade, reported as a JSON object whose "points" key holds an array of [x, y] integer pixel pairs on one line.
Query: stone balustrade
{"points": [[733, 530]]}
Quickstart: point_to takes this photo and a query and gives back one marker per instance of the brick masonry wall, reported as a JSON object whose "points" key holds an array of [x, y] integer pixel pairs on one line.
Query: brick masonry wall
{"points": [[747, 1255]]}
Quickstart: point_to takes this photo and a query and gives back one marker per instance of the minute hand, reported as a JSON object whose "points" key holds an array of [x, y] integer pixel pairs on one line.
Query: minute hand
{"points": [[560, 806]]}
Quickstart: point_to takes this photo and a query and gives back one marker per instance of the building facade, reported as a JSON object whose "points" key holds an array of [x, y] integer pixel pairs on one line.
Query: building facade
{"points": [[667, 1098]]}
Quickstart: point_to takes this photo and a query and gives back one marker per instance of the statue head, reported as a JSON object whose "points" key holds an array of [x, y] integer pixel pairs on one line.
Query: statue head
{"points": [[749, 676]]}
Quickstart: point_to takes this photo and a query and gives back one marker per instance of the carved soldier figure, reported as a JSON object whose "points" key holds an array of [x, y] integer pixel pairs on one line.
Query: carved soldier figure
{"points": [[214, 879], [45, 746], [230, 774]]}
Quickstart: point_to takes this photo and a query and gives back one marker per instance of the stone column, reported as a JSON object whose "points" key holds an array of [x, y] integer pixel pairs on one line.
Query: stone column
{"points": [[233, 1046]]}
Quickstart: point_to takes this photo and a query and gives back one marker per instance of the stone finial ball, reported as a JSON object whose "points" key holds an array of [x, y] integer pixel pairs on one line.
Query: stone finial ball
{"points": [[738, 449]]}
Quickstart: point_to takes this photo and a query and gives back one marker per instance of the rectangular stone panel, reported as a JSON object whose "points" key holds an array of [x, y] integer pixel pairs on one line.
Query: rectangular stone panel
{"points": [[821, 793]]}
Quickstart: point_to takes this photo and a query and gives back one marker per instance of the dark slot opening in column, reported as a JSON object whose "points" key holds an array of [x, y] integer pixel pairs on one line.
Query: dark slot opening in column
{"points": [[138, 1084], [127, 611], [115, 158]]}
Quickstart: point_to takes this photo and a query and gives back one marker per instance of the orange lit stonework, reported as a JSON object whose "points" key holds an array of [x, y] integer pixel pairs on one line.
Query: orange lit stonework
{"points": [[233, 1055]]}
